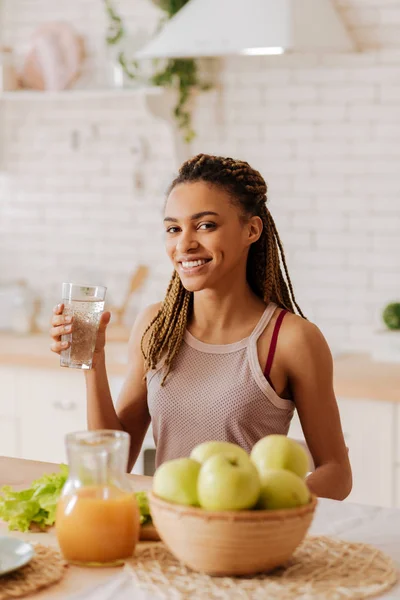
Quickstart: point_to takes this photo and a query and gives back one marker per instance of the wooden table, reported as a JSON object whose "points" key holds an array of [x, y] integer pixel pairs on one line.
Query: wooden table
{"points": [[373, 525]]}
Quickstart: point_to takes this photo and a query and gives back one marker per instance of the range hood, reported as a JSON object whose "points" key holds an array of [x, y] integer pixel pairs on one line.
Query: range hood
{"points": [[252, 27]]}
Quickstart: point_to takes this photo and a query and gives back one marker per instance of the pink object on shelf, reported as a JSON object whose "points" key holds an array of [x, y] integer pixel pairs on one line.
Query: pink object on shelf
{"points": [[54, 59]]}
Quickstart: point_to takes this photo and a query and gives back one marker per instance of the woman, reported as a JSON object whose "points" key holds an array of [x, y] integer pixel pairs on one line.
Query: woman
{"points": [[223, 357]]}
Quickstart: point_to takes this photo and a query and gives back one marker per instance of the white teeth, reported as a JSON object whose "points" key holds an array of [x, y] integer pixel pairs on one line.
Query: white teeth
{"points": [[193, 263]]}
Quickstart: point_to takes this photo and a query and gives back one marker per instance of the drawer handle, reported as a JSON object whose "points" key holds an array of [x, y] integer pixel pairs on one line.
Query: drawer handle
{"points": [[64, 405]]}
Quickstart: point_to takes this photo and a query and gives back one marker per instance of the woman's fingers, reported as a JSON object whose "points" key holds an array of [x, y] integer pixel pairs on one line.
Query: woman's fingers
{"points": [[60, 325], [59, 346], [60, 320], [56, 332], [58, 310]]}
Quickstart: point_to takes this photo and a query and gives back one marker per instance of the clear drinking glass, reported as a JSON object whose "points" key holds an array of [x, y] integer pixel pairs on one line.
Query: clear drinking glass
{"points": [[85, 303], [97, 517]]}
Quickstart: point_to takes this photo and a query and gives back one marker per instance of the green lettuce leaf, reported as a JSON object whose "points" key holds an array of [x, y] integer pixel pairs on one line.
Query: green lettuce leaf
{"points": [[143, 503], [36, 504]]}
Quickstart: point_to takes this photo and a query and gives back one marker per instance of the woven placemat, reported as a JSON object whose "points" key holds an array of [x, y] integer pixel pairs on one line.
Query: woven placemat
{"points": [[322, 568], [46, 568]]}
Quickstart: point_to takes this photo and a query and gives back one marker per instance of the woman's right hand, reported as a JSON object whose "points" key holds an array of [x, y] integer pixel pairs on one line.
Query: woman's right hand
{"points": [[62, 324]]}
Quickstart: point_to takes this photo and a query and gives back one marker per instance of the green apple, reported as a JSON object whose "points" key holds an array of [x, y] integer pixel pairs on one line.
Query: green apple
{"points": [[176, 481], [207, 449], [227, 483], [282, 489], [280, 452]]}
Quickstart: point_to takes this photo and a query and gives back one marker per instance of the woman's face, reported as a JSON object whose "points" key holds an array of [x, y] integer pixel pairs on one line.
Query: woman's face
{"points": [[207, 239]]}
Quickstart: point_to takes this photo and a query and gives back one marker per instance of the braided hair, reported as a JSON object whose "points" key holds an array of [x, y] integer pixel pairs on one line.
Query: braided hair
{"points": [[248, 190]]}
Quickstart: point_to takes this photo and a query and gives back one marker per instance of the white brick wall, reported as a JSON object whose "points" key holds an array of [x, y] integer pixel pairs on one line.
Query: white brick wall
{"points": [[325, 132]]}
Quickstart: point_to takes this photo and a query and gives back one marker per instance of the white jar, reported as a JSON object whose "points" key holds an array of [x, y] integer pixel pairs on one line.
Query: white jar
{"points": [[8, 73]]}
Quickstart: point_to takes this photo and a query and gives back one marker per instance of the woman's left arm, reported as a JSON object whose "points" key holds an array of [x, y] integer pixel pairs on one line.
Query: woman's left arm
{"points": [[310, 369]]}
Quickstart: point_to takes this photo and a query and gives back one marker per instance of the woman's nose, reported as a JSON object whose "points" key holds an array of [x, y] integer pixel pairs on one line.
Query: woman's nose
{"points": [[185, 242]]}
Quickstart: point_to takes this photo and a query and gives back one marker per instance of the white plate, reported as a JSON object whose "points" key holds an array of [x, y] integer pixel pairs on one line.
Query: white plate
{"points": [[14, 554]]}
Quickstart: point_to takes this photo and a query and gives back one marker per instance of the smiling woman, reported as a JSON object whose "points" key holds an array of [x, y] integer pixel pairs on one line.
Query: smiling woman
{"points": [[224, 356], [190, 264]]}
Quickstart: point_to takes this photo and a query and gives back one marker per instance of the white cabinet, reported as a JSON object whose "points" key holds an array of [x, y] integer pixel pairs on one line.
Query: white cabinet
{"points": [[52, 404], [397, 491], [397, 433], [296, 431], [8, 398], [368, 431], [8, 413], [115, 384], [8, 437]]}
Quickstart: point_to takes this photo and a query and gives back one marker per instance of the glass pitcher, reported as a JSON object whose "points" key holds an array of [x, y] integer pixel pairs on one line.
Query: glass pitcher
{"points": [[97, 518]]}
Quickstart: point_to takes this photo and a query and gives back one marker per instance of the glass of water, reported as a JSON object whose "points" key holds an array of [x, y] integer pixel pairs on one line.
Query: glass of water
{"points": [[85, 303]]}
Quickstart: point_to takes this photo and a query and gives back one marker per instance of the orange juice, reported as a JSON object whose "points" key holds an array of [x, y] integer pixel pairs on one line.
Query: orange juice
{"points": [[97, 525]]}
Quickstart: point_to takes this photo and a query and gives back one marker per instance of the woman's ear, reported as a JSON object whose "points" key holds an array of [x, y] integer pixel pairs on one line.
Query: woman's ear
{"points": [[255, 228]]}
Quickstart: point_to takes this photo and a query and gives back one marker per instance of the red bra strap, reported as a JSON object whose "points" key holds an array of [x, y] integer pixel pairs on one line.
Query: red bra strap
{"points": [[274, 342]]}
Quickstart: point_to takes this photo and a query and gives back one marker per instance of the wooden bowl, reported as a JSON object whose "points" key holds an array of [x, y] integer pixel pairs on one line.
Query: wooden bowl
{"points": [[231, 543]]}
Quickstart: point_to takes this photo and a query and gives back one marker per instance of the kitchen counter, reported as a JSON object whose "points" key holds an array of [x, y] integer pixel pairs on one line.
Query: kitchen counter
{"points": [[372, 525], [34, 351], [356, 375]]}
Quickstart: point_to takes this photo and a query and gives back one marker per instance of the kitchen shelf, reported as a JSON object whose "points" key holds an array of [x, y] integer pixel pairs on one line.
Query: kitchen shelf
{"points": [[76, 94]]}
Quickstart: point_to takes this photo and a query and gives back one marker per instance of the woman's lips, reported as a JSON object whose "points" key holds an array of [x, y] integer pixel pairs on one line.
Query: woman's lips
{"points": [[192, 267]]}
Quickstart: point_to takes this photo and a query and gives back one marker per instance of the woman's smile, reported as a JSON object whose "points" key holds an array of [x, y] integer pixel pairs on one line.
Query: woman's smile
{"points": [[192, 266]]}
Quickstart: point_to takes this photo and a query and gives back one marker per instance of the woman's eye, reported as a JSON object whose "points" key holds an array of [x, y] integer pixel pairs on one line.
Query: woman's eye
{"points": [[206, 226], [202, 226]]}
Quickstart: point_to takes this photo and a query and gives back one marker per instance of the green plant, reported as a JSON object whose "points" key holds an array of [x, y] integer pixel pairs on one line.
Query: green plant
{"points": [[115, 34], [391, 315], [171, 7], [180, 74], [115, 27]]}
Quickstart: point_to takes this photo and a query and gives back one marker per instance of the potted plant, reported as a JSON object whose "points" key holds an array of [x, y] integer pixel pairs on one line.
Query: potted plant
{"points": [[386, 342], [391, 316]]}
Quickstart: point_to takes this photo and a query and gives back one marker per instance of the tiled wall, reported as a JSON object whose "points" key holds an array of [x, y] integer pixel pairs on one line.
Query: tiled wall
{"points": [[325, 132]]}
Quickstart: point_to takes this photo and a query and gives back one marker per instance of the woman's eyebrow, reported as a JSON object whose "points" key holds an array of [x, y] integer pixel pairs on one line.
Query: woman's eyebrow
{"points": [[194, 217]]}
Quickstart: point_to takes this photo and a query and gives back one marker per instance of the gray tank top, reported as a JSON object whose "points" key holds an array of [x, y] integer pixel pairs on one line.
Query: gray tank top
{"points": [[215, 392]]}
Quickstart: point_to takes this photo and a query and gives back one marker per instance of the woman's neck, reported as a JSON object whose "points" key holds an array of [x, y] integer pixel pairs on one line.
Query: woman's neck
{"points": [[234, 312]]}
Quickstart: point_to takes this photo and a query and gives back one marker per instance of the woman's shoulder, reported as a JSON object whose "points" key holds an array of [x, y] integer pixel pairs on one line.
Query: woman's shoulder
{"points": [[301, 341], [298, 330]]}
